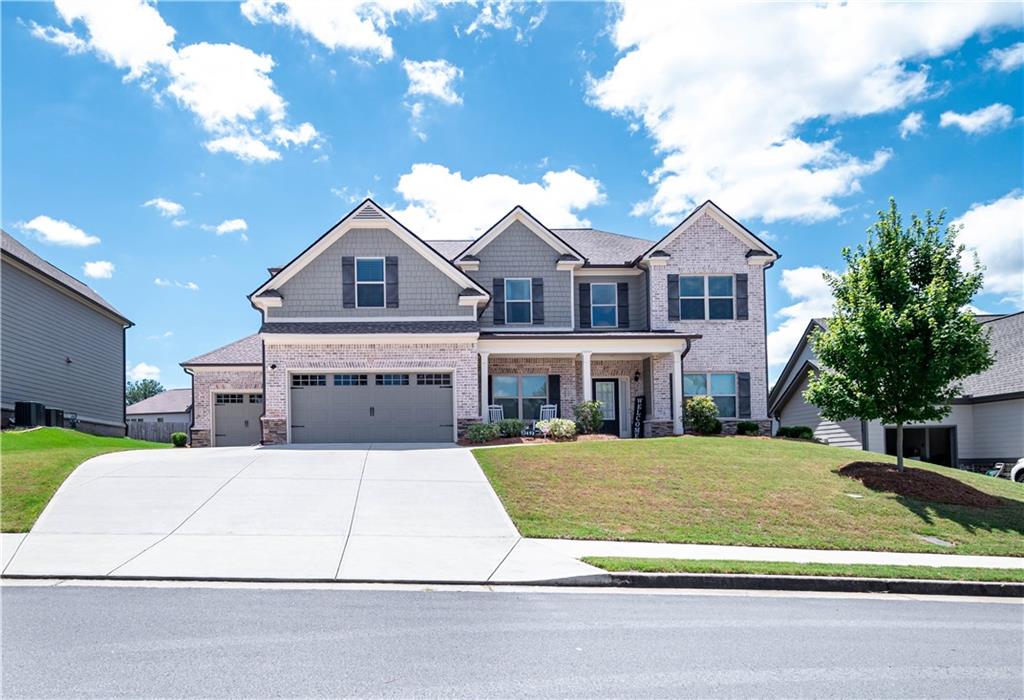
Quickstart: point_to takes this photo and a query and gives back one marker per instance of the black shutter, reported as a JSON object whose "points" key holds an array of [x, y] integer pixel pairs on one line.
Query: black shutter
{"points": [[743, 394], [498, 301], [348, 282], [391, 275], [538, 301], [742, 312], [555, 392], [673, 297], [622, 290], [584, 305], [489, 398]]}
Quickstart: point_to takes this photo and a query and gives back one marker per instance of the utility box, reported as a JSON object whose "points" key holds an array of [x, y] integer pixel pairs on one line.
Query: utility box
{"points": [[55, 417], [28, 414]]}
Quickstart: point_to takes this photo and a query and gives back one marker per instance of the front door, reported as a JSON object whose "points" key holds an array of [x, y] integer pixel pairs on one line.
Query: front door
{"points": [[607, 392]]}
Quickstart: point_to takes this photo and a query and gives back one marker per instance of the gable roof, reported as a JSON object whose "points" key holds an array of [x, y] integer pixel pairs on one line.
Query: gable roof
{"points": [[519, 213], [1006, 375], [368, 214], [780, 390], [604, 247], [247, 351], [18, 251], [170, 401], [730, 224]]}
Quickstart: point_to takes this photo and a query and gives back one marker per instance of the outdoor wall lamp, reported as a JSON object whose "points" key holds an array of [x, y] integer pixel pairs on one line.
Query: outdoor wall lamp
{"points": [[636, 376]]}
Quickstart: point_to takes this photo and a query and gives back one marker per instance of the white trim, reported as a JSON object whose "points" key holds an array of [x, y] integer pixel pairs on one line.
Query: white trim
{"points": [[614, 304], [572, 346], [564, 265], [521, 328], [213, 410], [364, 319], [383, 281], [255, 367], [609, 271], [469, 265], [572, 299], [723, 219], [677, 392], [519, 214], [269, 302], [529, 302], [366, 338]]}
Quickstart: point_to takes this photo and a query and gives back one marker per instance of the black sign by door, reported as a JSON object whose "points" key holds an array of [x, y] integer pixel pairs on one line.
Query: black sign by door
{"points": [[639, 407]]}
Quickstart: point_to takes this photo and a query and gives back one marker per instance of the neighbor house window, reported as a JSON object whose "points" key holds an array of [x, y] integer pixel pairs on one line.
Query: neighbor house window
{"points": [[721, 387], [519, 300], [392, 380], [520, 397], [370, 282], [706, 297], [604, 308]]}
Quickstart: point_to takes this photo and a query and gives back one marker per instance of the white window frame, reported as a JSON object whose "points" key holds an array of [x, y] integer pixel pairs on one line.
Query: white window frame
{"points": [[382, 282], [708, 296], [707, 384], [519, 397], [614, 304], [528, 302]]}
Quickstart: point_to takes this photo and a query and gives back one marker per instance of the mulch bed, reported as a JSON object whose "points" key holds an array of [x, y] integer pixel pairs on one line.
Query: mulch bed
{"points": [[532, 441], [919, 484]]}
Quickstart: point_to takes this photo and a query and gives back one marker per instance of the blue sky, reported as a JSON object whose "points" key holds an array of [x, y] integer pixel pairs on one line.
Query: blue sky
{"points": [[250, 129]]}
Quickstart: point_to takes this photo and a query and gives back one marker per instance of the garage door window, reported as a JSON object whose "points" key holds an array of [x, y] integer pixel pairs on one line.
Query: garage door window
{"points": [[520, 397], [309, 380], [350, 380], [223, 399], [255, 398], [392, 380], [434, 380]]}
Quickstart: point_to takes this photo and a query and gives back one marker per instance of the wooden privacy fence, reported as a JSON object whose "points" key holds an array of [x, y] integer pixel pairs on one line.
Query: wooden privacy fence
{"points": [[155, 432]]}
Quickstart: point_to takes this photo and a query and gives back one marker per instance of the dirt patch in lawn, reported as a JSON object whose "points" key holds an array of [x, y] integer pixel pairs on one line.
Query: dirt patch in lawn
{"points": [[919, 484], [537, 440]]}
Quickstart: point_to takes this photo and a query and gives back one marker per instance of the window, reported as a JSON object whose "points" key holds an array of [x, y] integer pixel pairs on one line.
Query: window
{"points": [[434, 380], [519, 300], [705, 297], [223, 399], [520, 397], [604, 307], [720, 387], [255, 398], [350, 380], [392, 380], [159, 419], [370, 282], [308, 380]]}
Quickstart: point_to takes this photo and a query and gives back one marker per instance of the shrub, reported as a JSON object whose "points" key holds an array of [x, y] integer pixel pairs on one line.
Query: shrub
{"points": [[701, 415], [510, 427], [589, 416], [483, 432], [799, 432], [179, 439], [748, 427], [557, 428], [716, 428]]}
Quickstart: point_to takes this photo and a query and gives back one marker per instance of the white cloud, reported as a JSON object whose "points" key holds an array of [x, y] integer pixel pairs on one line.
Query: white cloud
{"points": [[300, 136], [1005, 60], [503, 15], [245, 147], [162, 282], [911, 124], [99, 269], [178, 223], [58, 232], [807, 287], [443, 204], [191, 286], [144, 371], [71, 42], [433, 79], [229, 226], [160, 336], [980, 121], [724, 90], [995, 230], [352, 25], [165, 206]]}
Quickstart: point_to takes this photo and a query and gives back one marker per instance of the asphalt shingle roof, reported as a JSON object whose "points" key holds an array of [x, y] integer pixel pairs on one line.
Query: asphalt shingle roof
{"points": [[599, 247], [1006, 375], [170, 401], [247, 351]]}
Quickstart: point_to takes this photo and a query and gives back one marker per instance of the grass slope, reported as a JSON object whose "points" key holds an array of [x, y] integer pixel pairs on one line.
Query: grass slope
{"points": [[736, 490], [33, 464], [700, 566]]}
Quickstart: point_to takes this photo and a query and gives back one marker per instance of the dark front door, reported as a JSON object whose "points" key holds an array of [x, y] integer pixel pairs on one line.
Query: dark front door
{"points": [[607, 392]]}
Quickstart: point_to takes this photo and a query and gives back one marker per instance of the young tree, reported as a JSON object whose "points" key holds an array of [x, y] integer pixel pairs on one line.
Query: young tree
{"points": [[900, 338], [142, 389]]}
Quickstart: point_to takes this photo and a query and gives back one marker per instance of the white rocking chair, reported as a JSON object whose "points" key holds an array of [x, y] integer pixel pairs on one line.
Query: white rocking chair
{"points": [[495, 413], [547, 412]]}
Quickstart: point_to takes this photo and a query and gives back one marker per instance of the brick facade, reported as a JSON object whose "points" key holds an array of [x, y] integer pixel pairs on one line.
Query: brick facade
{"points": [[205, 383]]}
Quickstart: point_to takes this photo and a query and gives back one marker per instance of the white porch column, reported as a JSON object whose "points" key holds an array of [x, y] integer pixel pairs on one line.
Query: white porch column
{"points": [[588, 386], [677, 392], [484, 414]]}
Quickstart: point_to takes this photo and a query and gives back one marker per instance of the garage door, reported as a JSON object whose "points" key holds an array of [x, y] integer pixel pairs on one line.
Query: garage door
{"points": [[237, 419], [371, 407]]}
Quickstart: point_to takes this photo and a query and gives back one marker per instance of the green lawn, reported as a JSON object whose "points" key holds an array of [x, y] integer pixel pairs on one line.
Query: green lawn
{"points": [[34, 463], [736, 490], [700, 566]]}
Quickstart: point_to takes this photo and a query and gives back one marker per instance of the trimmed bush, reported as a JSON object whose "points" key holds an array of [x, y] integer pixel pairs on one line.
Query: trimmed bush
{"points": [[748, 427], [510, 427], [702, 415], [179, 439], [557, 428], [798, 432], [483, 432], [589, 417]]}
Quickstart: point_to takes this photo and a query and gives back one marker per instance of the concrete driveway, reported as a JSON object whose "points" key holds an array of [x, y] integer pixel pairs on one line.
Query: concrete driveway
{"points": [[346, 512]]}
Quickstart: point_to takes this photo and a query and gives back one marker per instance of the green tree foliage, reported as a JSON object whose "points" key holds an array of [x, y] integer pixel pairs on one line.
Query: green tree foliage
{"points": [[901, 337], [142, 389]]}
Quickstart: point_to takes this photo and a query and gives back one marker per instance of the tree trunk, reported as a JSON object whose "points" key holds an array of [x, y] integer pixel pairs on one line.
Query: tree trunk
{"points": [[899, 446]]}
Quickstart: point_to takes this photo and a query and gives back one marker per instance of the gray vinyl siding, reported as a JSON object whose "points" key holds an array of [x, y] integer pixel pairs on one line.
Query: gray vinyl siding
{"points": [[423, 290], [797, 411], [42, 327], [998, 430], [637, 299], [518, 252]]}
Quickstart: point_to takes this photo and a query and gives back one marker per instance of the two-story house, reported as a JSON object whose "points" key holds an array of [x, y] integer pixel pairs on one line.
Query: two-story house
{"points": [[372, 334]]}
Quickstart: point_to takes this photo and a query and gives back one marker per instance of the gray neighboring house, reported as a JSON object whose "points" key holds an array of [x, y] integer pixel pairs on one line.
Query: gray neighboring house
{"points": [[61, 344], [985, 425], [170, 406]]}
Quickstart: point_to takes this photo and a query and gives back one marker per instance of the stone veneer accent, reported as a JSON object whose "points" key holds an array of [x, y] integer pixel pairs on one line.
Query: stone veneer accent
{"points": [[200, 438], [205, 382], [275, 431]]}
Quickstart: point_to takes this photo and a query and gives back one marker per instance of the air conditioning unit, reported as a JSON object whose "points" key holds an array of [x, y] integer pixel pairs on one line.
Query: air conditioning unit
{"points": [[28, 414], [55, 417]]}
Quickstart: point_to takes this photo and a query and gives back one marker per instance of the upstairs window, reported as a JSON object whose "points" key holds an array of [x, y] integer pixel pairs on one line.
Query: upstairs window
{"points": [[370, 283], [519, 300], [706, 297], [604, 307]]}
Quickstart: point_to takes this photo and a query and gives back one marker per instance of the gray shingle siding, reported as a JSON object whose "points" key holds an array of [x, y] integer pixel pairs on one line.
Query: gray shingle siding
{"points": [[637, 300], [315, 291], [41, 328], [518, 252]]}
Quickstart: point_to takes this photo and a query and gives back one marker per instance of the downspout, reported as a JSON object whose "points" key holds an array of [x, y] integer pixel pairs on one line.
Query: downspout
{"points": [[679, 399], [124, 379], [263, 386], [192, 412]]}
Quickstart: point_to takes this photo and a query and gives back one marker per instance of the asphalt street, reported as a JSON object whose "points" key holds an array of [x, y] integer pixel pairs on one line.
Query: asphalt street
{"points": [[85, 641]]}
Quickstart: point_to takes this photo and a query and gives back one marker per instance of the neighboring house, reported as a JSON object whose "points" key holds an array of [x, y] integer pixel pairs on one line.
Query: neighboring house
{"points": [[62, 344], [372, 334], [985, 425], [170, 406]]}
